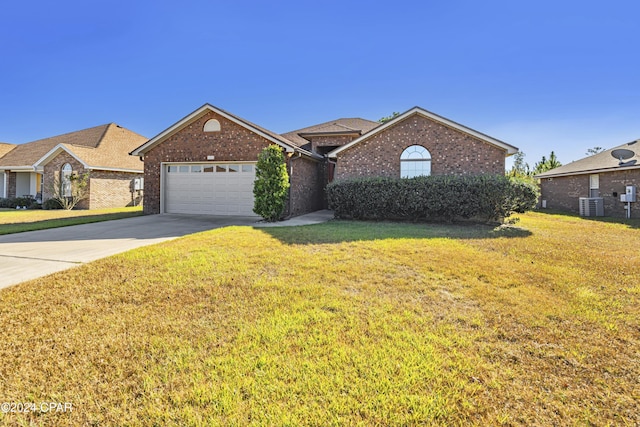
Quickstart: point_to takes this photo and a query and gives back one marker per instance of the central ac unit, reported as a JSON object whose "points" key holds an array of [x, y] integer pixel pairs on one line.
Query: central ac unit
{"points": [[591, 206]]}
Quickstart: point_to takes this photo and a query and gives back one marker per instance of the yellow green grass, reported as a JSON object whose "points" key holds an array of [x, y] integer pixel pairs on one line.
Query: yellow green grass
{"points": [[17, 221], [344, 323]]}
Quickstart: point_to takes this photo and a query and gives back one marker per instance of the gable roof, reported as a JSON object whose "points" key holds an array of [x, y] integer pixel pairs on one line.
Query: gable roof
{"points": [[344, 126], [5, 148], [597, 163], [509, 149], [103, 147], [273, 137]]}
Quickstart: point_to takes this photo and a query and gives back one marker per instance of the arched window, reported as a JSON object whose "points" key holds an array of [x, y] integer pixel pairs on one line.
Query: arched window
{"points": [[212, 125], [65, 181], [415, 161]]}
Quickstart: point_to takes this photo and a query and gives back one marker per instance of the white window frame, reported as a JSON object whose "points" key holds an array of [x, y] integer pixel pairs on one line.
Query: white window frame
{"points": [[65, 179], [415, 155], [594, 185]]}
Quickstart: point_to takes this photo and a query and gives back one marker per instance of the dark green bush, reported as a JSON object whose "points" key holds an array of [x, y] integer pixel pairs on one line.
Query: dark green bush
{"points": [[50, 204], [271, 187], [12, 202], [439, 198]]}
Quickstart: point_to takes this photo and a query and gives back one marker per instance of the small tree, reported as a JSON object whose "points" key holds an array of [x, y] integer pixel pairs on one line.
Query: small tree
{"points": [[69, 196], [547, 164], [271, 186], [520, 168]]}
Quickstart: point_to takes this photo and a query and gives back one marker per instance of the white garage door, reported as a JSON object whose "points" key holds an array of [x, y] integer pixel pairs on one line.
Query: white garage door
{"points": [[209, 189]]}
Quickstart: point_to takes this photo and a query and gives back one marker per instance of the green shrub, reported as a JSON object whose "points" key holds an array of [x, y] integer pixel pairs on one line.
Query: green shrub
{"points": [[51, 204], [271, 186], [439, 198], [13, 202]]}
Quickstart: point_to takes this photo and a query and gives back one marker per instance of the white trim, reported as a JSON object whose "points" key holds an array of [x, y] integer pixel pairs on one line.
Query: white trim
{"points": [[54, 152], [4, 184], [163, 171], [194, 116], [510, 149], [587, 172], [18, 168]]}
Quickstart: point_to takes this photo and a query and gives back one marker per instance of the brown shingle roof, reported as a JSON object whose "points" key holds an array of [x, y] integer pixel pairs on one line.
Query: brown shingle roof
{"points": [[5, 148], [105, 146], [601, 162], [348, 125]]}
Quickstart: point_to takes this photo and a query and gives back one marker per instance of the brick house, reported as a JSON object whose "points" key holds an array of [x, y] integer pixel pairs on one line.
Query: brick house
{"points": [[602, 177], [205, 162], [30, 169]]}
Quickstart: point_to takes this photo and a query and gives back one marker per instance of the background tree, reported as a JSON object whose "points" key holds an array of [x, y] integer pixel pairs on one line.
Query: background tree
{"points": [[271, 186], [68, 196], [520, 168], [546, 164], [594, 150], [391, 117]]}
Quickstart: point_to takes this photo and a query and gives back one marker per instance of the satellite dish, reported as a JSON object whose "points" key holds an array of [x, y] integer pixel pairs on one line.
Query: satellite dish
{"points": [[622, 154]]}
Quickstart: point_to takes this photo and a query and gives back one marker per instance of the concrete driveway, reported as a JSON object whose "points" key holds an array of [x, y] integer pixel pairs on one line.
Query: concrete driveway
{"points": [[26, 256]]}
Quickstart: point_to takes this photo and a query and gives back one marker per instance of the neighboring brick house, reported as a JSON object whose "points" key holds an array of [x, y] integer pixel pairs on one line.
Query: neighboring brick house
{"points": [[30, 169], [602, 177], [205, 163]]}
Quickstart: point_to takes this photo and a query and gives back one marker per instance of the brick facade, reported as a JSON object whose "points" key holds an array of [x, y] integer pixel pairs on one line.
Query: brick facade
{"points": [[452, 151], [106, 189], [232, 143], [330, 141], [307, 186], [11, 178], [52, 173], [111, 189], [563, 193]]}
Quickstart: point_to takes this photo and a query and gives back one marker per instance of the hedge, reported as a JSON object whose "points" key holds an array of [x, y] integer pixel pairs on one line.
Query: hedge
{"points": [[12, 202], [439, 198]]}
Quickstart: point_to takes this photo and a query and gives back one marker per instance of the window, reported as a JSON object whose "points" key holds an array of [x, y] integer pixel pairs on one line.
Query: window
{"points": [[594, 185], [65, 182], [212, 126], [247, 168], [415, 161]]}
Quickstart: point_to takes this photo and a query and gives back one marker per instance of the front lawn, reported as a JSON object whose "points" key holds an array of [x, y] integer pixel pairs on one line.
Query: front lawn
{"points": [[17, 220], [344, 323]]}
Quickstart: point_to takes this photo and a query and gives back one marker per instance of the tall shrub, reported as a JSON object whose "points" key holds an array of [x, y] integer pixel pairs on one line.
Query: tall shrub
{"points": [[271, 186]]}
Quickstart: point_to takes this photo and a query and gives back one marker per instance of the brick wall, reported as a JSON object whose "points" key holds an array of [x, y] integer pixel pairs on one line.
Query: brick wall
{"points": [[330, 141], [562, 193], [232, 143], [52, 172], [452, 151], [11, 178], [113, 189], [307, 186]]}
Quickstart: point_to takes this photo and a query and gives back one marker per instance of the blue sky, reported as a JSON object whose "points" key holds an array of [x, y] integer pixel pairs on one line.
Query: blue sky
{"points": [[544, 75]]}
